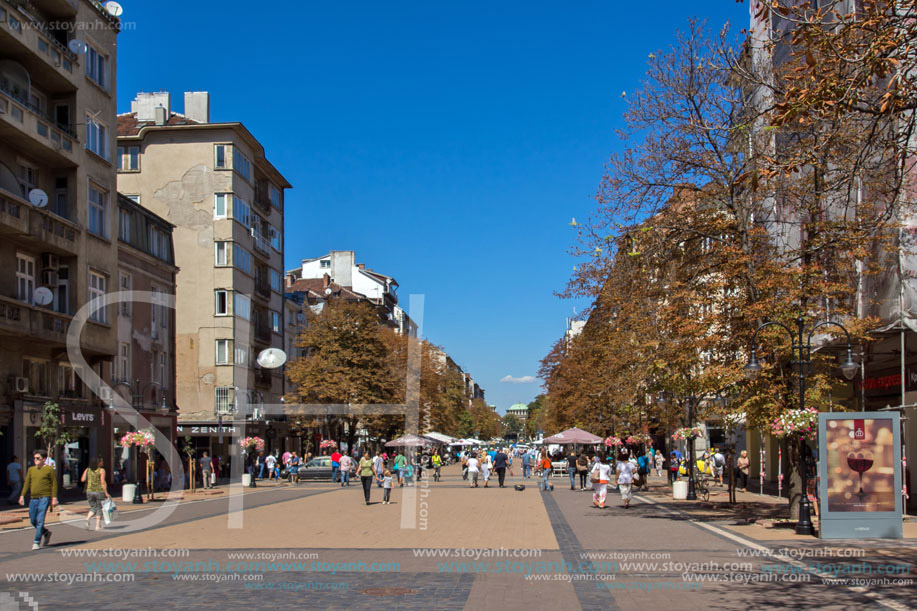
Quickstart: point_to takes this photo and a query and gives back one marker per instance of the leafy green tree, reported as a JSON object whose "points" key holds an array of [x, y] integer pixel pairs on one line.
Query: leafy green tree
{"points": [[52, 430]]}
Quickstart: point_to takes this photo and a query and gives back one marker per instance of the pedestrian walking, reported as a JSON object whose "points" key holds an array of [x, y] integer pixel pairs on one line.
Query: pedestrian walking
{"points": [[367, 472], [486, 465], [526, 465], [96, 491], [346, 467], [474, 468], [41, 486], [546, 468], [379, 465], [293, 469], [335, 466], [271, 463], [14, 480], [624, 478], [742, 464], [500, 464], [252, 466], [386, 487], [719, 466], [400, 464], [659, 462], [600, 476], [582, 468], [206, 465]]}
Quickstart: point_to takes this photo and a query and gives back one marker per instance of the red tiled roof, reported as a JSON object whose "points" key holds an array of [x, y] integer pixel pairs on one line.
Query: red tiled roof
{"points": [[128, 125], [315, 287]]}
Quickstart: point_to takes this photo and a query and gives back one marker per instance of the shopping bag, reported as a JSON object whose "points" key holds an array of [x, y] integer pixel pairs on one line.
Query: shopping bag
{"points": [[213, 478], [109, 510]]}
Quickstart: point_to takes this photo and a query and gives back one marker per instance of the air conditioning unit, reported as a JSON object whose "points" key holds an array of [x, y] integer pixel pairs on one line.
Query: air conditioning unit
{"points": [[49, 261], [49, 278], [22, 384], [105, 393]]}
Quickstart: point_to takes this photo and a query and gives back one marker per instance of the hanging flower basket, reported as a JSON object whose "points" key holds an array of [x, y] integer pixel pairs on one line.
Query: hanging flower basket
{"points": [[613, 442], [328, 443], [795, 422], [638, 439], [141, 439], [252, 443], [686, 433]]}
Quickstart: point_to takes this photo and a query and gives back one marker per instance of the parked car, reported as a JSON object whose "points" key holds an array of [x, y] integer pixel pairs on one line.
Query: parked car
{"points": [[317, 469]]}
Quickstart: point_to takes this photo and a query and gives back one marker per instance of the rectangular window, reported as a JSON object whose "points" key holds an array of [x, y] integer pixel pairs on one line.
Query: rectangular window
{"points": [[276, 281], [276, 197], [97, 67], [241, 164], [242, 306], [275, 321], [125, 281], [163, 370], [241, 258], [124, 362], [154, 312], [221, 254], [241, 211], [128, 157], [219, 153], [241, 355], [220, 205], [223, 402], [37, 374], [124, 225], [221, 298], [25, 277], [274, 234], [96, 137], [223, 346], [325, 263], [69, 382], [98, 211], [97, 284]]}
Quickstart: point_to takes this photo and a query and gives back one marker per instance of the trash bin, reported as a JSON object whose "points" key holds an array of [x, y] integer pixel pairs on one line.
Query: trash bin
{"points": [[246, 479], [127, 492], [680, 490]]}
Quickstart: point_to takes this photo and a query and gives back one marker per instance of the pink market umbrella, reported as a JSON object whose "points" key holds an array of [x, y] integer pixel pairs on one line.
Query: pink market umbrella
{"points": [[574, 435], [409, 441]]}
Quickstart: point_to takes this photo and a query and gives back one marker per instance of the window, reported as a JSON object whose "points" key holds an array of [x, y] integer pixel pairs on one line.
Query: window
{"points": [[241, 354], [69, 382], [241, 164], [123, 367], [154, 313], [275, 321], [163, 370], [60, 205], [37, 373], [62, 290], [325, 263], [25, 277], [275, 237], [124, 225], [241, 258], [242, 306], [125, 281], [221, 298], [97, 283], [223, 396], [223, 346], [220, 204], [241, 211], [98, 211], [128, 157], [155, 241], [96, 137], [97, 67], [275, 196], [276, 282], [133, 198], [219, 153], [221, 254]]}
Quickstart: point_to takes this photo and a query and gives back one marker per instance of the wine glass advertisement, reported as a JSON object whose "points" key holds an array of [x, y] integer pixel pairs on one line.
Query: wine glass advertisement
{"points": [[861, 464]]}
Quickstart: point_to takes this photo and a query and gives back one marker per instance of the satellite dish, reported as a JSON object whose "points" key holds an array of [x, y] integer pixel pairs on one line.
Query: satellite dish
{"points": [[77, 47], [272, 358], [114, 9], [328, 292], [42, 296], [38, 198]]}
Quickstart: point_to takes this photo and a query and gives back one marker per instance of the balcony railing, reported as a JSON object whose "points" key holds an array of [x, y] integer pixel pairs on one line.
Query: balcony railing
{"points": [[45, 227], [23, 319], [54, 51], [35, 123], [261, 243]]}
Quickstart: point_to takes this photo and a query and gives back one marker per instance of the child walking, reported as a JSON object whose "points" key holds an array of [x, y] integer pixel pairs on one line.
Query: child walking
{"points": [[386, 486]]}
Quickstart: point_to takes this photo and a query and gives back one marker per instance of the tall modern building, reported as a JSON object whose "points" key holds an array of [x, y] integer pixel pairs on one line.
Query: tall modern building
{"points": [[214, 183], [58, 222]]}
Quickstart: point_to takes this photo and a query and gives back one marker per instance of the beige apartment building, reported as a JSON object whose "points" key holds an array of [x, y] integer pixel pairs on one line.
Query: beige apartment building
{"points": [[213, 182], [58, 232]]}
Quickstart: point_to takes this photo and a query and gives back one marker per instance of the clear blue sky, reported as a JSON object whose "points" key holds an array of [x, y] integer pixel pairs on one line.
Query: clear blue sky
{"points": [[448, 143]]}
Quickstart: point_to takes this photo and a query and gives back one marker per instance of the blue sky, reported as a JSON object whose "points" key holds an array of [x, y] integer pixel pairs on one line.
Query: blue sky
{"points": [[448, 143]]}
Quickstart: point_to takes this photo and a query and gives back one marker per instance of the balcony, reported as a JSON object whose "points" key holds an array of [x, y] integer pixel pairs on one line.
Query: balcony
{"points": [[36, 228], [262, 197], [261, 243], [22, 319], [29, 130], [26, 38]]}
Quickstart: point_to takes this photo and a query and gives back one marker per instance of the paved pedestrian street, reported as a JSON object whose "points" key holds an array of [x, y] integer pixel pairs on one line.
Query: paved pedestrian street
{"points": [[318, 545]]}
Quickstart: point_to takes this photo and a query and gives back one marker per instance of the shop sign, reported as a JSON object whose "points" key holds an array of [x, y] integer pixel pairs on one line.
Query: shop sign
{"points": [[204, 431], [82, 416]]}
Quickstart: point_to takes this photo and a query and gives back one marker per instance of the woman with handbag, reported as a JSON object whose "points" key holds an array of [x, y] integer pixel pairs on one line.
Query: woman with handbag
{"points": [[96, 491], [582, 467], [601, 475]]}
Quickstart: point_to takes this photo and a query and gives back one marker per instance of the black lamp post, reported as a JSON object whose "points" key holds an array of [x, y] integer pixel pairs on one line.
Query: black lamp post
{"points": [[803, 359], [692, 400]]}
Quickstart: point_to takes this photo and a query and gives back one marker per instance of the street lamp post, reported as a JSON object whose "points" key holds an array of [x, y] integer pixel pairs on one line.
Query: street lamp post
{"points": [[803, 359], [692, 400]]}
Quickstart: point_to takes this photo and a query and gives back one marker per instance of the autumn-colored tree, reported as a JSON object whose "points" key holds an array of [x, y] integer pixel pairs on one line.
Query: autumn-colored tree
{"points": [[486, 421]]}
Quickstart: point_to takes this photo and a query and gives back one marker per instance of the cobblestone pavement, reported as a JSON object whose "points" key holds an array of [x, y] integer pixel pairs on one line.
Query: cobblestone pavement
{"points": [[319, 545]]}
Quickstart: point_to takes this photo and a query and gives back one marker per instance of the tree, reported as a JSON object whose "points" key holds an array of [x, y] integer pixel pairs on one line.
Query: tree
{"points": [[52, 431], [511, 425], [486, 421]]}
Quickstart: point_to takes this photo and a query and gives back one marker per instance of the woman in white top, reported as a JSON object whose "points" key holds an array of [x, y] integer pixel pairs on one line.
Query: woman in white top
{"points": [[473, 469], [602, 472], [624, 478], [486, 466]]}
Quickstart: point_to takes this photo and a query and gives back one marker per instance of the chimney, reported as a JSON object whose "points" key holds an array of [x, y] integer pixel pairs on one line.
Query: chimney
{"points": [[161, 114], [342, 267], [361, 265], [197, 106], [326, 281], [146, 103]]}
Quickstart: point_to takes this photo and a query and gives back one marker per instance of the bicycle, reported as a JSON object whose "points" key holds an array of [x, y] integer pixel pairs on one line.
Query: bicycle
{"points": [[701, 488]]}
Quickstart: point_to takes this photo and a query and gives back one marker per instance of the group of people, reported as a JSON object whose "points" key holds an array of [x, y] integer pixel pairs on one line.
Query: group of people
{"points": [[495, 461], [712, 463]]}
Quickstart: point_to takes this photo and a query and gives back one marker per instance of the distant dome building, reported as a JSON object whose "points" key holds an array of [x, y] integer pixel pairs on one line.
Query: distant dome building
{"points": [[519, 410]]}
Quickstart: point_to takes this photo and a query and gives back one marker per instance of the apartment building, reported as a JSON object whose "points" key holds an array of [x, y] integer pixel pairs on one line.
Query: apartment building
{"points": [[144, 365], [213, 182], [58, 232]]}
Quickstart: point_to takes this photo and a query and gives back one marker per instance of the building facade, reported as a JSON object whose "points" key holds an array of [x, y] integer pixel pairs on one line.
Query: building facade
{"points": [[57, 223], [213, 182]]}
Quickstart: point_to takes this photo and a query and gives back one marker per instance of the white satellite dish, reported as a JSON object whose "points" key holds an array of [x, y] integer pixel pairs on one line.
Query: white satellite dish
{"points": [[38, 198], [114, 9], [77, 47], [272, 358], [42, 296]]}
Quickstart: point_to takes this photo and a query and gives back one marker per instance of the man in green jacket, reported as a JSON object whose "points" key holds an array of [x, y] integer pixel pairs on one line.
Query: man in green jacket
{"points": [[41, 484]]}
